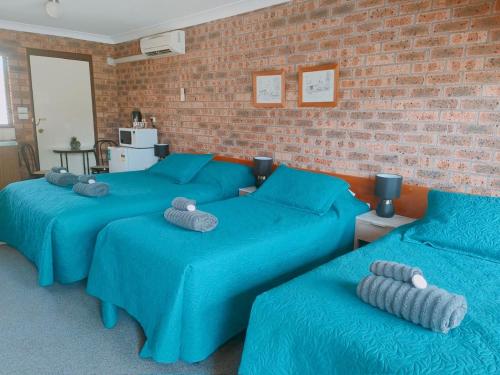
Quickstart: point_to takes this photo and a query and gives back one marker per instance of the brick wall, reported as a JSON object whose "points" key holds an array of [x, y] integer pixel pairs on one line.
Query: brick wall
{"points": [[13, 45], [420, 89]]}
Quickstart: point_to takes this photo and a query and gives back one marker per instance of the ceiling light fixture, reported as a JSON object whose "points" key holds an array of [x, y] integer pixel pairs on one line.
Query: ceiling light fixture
{"points": [[53, 8]]}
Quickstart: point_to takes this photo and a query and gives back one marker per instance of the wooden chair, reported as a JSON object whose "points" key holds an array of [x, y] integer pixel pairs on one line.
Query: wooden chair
{"points": [[30, 161], [101, 155]]}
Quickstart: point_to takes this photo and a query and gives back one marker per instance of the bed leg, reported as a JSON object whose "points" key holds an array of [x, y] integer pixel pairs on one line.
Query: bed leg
{"points": [[109, 314]]}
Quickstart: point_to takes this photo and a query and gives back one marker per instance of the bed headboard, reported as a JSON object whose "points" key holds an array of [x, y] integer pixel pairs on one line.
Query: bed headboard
{"points": [[412, 203]]}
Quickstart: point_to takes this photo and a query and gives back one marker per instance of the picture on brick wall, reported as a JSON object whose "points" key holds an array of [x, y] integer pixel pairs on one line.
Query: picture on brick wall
{"points": [[318, 86], [269, 89]]}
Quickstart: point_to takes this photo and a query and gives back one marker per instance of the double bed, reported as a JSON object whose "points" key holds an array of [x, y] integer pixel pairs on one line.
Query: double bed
{"points": [[316, 324], [192, 291], [56, 228]]}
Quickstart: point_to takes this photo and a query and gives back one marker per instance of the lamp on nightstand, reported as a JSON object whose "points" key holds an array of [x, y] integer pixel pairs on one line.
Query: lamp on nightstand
{"points": [[387, 188], [161, 150], [263, 166]]}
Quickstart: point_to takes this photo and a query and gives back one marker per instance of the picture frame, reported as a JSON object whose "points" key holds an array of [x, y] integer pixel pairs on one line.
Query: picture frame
{"points": [[318, 86], [269, 89]]}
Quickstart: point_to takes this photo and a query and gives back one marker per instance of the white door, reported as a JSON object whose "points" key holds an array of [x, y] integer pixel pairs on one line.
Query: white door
{"points": [[63, 109]]}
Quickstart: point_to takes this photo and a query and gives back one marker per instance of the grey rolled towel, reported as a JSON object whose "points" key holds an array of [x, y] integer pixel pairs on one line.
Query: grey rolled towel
{"points": [[432, 307], [397, 271], [58, 169], [184, 204], [86, 178], [61, 179], [193, 220], [99, 189]]}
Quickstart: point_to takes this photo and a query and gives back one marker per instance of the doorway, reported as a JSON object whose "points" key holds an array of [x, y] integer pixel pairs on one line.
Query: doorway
{"points": [[63, 106]]}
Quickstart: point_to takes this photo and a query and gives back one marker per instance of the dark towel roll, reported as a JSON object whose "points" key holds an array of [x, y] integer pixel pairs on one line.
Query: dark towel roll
{"points": [[432, 307], [99, 189], [86, 178], [184, 204], [61, 179], [193, 220]]}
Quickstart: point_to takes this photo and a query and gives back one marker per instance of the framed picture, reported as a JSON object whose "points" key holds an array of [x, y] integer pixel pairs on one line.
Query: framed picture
{"points": [[269, 89], [318, 86]]}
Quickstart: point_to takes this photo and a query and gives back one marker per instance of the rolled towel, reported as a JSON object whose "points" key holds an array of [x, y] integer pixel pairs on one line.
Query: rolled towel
{"points": [[194, 220], [98, 189], [87, 179], [399, 271], [432, 308], [61, 179], [58, 169], [184, 204]]}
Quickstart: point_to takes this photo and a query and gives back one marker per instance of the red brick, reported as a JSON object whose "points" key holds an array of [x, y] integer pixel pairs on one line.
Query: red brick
{"points": [[433, 16], [451, 26], [487, 49], [472, 10], [447, 52], [485, 23]]}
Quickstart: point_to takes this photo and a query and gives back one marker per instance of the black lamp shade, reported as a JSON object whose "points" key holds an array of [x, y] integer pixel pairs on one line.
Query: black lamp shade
{"points": [[388, 186], [263, 166], [162, 150]]}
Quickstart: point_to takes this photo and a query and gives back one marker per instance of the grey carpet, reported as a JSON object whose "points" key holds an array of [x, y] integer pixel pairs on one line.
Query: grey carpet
{"points": [[57, 330]]}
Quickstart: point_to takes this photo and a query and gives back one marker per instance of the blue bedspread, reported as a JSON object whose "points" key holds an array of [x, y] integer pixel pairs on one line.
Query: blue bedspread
{"points": [[316, 324], [193, 291], [56, 229]]}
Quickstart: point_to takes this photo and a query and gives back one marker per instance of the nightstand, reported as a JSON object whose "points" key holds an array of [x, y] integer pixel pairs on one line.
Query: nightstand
{"points": [[369, 226], [247, 190]]}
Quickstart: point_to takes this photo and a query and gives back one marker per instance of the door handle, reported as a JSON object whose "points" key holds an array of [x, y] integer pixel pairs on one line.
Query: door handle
{"points": [[40, 119]]}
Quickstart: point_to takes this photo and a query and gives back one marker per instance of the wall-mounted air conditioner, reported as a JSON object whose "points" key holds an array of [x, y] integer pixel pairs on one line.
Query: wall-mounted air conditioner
{"points": [[172, 42]]}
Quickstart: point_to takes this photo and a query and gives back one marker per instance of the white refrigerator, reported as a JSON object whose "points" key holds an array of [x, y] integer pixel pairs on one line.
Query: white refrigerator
{"points": [[123, 159]]}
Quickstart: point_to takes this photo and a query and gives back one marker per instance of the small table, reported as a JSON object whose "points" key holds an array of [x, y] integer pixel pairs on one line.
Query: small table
{"points": [[85, 157], [369, 226]]}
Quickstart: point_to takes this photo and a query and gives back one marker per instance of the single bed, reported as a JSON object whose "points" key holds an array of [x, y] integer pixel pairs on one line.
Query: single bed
{"points": [[315, 324], [56, 228], [191, 291]]}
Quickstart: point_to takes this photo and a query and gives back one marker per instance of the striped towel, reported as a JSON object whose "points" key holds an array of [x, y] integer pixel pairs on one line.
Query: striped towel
{"points": [[193, 220], [398, 271], [99, 189], [432, 307], [61, 179], [184, 204]]}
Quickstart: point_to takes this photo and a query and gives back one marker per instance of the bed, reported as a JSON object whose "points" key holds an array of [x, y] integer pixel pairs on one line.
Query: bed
{"points": [[56, 228], [315, 324], [190, 291]]}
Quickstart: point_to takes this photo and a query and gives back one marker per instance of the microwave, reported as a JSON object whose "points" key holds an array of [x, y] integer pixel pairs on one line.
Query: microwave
{"points": [[138, 138]]}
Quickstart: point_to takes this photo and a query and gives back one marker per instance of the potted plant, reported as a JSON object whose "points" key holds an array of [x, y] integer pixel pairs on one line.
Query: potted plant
{"points": [[74, 144]]}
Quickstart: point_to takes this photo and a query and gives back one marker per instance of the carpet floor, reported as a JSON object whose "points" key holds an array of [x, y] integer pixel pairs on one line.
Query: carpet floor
{"points": [[57, 330]]}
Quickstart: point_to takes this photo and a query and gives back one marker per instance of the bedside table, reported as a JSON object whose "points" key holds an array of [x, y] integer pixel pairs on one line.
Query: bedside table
{"points": [[247, 190], [369, 226]]}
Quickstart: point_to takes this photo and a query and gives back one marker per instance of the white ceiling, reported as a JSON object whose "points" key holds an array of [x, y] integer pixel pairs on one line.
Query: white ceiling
{"points": [[116, 21]]}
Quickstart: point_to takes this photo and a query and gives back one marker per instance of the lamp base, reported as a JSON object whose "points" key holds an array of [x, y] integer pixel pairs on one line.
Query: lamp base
{"points": [[260, 180], [385, 208]]}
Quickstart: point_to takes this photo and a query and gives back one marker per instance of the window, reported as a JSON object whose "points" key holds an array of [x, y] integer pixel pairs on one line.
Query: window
{"points": [[4, 110]]}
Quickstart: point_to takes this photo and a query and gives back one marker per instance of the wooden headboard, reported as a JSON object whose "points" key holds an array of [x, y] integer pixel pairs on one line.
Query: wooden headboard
{"points": [[411, 203]]}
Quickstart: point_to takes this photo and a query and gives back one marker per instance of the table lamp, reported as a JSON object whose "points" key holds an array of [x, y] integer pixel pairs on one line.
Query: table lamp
{"points": [[387, 188], [263, 167], [162, 150]]}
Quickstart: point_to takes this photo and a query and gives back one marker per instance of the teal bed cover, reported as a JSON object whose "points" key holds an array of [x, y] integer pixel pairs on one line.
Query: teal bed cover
{"points": [[56, 228], [192, 291], [316, 324]]}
